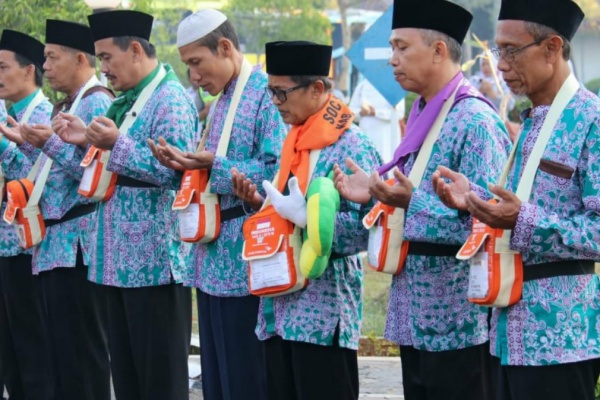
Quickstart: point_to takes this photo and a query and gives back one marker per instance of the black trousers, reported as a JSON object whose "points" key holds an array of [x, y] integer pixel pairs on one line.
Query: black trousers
{"points": [[24, 347], [463, 374], [76, 316], [573, 381], [149, 341], [232, 357], [304, 371]]}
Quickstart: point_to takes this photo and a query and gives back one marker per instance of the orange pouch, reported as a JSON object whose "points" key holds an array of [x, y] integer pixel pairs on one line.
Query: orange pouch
{"points": [[387, 250], [496, 272], [97, 183], [272, 247], [198, 209], [28, 220]]}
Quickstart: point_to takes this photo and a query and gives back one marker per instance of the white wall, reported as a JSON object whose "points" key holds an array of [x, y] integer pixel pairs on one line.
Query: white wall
{"points": [[586, 55]]}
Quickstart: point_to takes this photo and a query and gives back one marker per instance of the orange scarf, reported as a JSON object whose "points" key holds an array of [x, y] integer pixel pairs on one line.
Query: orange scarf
{"points": [[319, 131]]}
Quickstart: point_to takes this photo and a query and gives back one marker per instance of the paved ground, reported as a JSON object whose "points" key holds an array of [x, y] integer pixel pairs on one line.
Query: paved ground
{"points": [[380, 378]]}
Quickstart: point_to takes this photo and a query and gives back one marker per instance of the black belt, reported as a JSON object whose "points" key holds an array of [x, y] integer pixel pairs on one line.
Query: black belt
{"points": [[558, 268], [432, 249], [123, 180], [232, 213], [75, 212]]}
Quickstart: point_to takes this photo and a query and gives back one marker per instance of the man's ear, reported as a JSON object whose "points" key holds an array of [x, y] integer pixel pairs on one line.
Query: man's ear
{"points": [[553, 48], [440, 51]]}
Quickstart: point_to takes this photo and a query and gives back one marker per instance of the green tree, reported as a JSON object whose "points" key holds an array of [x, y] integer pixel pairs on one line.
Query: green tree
{"points": [[29, 16], [258, 22]]}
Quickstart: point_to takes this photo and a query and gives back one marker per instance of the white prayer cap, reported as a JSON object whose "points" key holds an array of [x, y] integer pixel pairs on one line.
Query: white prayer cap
{"points": [[198, 25]]}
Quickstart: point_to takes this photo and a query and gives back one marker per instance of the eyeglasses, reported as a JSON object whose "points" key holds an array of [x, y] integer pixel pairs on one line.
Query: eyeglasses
{"points": [[282, 94], [508, 54]]}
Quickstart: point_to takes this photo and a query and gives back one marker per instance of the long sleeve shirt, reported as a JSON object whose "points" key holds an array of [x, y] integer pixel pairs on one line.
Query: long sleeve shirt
{"points": [[135, 242], [16, 165], [557, 319], [254, 147], [59, 247], [428, 307], [333, 300]]}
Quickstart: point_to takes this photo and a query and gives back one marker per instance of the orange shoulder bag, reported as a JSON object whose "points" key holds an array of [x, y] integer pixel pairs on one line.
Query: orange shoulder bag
{"points": [[199, 212], [97, 182], [496, 271]]}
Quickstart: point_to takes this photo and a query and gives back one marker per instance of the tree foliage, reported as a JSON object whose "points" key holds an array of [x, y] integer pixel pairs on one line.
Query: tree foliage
{"points": [[261, 21]]}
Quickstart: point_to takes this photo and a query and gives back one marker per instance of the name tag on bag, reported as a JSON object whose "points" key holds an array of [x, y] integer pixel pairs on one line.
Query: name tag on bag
{"points": [[272, 247], [198, 210], [495, 271], [97, 182]]}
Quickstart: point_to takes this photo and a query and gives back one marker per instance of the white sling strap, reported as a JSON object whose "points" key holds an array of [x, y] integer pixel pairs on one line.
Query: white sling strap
{"points": [[40, 183], [36, 101], [568, 89], [138, 106], [418, 170]]}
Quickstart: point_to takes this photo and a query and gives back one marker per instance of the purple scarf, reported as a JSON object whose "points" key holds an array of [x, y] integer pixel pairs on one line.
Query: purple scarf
{"points": [[420, 122]]}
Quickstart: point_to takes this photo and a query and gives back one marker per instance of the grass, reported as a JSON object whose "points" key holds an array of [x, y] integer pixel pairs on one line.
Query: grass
{"points": [[376, 293]]}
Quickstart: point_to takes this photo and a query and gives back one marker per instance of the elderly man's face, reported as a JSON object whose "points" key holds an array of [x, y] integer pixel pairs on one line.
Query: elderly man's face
{"points": [[116, 64], [210, 71], [60, 67], [295, 110], [523, 61], [411, 59]]}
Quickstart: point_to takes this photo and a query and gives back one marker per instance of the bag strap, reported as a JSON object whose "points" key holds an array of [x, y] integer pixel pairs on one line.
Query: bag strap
{"points": [[313, 158], [141, 101], [40, 183], [93, 81], [240, 85], [235, 100], [418, 170], [563, 98], [36, 101], [568, 89]]}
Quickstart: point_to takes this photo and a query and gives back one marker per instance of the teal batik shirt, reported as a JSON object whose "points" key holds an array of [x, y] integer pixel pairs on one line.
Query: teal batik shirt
{"points": [[256, 140], [16, 165], [59, 247], [557, 321], [135, 242], [333, 300], [428, 307]]}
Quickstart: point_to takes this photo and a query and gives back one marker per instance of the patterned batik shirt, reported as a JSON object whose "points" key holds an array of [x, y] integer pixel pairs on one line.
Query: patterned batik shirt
{"points": [[256, 140], [428, 307], [333, 300], [59, 247], [135, 242], [557, 320], [16, 165]]}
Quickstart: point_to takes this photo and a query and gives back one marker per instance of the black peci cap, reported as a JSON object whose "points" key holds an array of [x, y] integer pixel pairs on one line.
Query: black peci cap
{"points": [[24, 45], [438, 15], [298, 58], [70, 34], [120, 23], [564, 16]]}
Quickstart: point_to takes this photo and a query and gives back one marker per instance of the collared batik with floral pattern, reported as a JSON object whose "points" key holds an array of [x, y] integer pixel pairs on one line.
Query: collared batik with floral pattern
{"points": [[256, 140], [135, 242], [558, 319], [59, 247], [428, 307], [333, 300], [16, 165]]}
